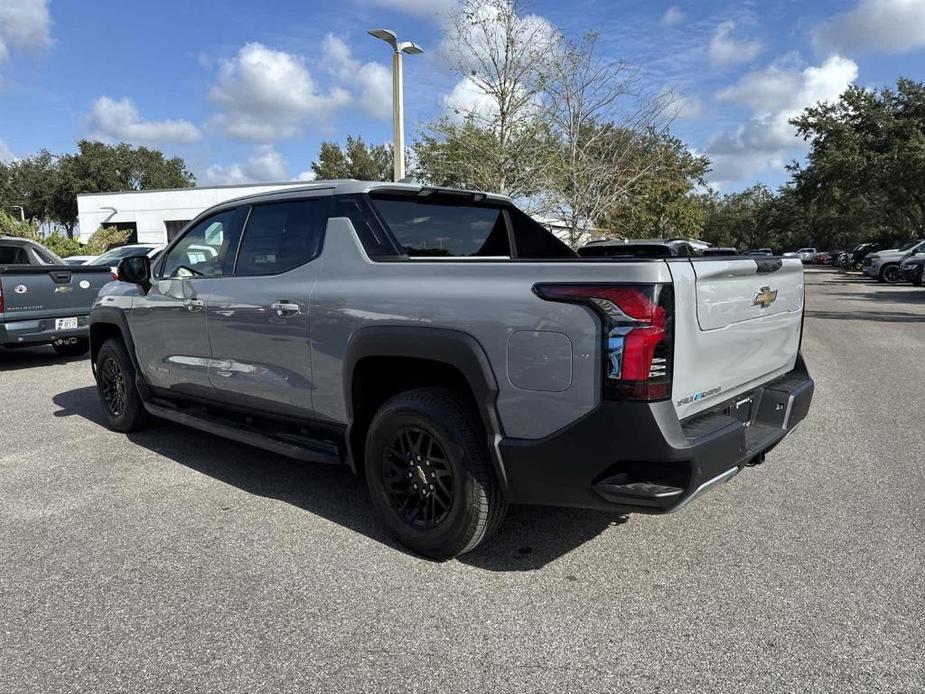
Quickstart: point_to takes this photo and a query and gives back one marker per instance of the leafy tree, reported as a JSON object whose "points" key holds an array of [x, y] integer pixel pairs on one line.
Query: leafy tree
{"points": [[741, 220], [99, 168], [663, 204], [865, 173], [356, 160]]}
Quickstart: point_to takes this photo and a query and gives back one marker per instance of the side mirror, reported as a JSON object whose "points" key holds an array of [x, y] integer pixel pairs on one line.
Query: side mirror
{"points": [[135, 269]]}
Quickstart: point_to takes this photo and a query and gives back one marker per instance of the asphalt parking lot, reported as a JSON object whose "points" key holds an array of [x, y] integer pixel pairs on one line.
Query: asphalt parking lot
{"points": [[175, 561]]}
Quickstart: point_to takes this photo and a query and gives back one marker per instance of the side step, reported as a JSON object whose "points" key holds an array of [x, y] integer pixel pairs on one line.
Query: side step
{"points": [[316, 452]]}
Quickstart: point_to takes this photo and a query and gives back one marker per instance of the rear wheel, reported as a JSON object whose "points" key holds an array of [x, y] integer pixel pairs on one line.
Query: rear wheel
{"points": [[890, 273], [72, 347], [115, 384], [429, 473]]}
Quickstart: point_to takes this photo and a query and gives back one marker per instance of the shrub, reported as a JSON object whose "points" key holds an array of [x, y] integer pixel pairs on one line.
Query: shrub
{"points": [[105, 238]]}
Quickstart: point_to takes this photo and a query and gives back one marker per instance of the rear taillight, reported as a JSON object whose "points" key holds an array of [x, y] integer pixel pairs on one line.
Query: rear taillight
{"points": [[637, 322]]}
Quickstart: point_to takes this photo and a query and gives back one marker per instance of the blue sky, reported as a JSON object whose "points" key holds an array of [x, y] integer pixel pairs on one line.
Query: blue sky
{"points": [[247, 91]]}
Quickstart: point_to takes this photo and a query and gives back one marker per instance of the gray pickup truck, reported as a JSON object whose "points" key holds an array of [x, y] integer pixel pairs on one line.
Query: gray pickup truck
{"points": [[448, 348], [44, 301]]}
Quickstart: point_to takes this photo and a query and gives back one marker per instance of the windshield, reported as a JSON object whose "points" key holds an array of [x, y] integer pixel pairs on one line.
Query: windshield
{"points": [[911, 244], [117, 254], [46, 256]]}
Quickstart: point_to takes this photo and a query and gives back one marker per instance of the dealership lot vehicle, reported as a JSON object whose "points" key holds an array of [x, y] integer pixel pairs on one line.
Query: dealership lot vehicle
{"points": [[132, 563], [884, 265], [913, 268], [307, 332], [114, 255], [639, 248], [42, 300]]}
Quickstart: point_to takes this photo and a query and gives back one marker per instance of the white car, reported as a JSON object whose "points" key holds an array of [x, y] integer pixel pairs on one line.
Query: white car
{"points": [[805, 254], [114, 255], [78, 259], [884, 265]]}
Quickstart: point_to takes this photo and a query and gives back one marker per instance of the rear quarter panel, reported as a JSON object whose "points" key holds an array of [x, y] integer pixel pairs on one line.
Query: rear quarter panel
{"points": [[493, 301]]}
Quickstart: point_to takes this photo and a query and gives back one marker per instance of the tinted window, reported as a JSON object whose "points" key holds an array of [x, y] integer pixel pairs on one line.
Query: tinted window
{"points": [[532, 240], [445, 230], [13, 255], [203, 249], [373, 238], [46, 256], [282, 235]]}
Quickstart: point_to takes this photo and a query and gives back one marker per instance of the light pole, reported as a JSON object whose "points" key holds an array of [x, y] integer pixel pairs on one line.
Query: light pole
{"points": [[398, 106]]}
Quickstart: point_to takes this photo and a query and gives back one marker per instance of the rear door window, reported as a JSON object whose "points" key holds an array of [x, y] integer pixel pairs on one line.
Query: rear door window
{"points": [[281, 236], [445, 230]]}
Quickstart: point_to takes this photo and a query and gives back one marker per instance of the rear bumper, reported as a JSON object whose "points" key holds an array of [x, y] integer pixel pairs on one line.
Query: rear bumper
{"points": [[638, 457], [39, 331]]}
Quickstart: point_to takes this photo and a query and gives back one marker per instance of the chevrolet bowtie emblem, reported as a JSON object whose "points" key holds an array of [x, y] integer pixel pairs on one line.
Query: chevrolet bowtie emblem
{"points": [[765, 297]]}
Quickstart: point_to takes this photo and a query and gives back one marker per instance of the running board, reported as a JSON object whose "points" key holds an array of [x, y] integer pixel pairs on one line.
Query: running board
{"points": [[323, 453]]}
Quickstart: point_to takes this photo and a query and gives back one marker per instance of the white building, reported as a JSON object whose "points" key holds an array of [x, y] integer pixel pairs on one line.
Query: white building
{"points": [[155, 216]]}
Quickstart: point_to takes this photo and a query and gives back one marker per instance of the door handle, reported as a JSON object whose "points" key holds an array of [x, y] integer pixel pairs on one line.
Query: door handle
{"points": [[285, 309], [194, 304]]}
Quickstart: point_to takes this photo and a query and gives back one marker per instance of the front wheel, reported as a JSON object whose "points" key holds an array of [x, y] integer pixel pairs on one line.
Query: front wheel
{"points": [[115, 384], [429, 473], [891, 274]]}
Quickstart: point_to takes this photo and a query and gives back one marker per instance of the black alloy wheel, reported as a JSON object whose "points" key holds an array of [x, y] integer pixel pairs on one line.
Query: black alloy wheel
{"points": [[418, 477], [112, 386]]}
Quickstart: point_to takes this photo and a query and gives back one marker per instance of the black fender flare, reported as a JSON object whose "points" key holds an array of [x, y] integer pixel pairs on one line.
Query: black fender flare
{"points": [[452, 347], [108, 315]]}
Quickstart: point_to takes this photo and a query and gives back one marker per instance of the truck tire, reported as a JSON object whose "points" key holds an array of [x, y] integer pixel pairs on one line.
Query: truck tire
{"points": [[81, 345], [429, 473], [115, 384], [890, 273]]}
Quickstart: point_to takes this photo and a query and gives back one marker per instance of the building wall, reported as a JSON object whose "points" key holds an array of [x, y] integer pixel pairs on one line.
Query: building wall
{"points": [[150, 209]]}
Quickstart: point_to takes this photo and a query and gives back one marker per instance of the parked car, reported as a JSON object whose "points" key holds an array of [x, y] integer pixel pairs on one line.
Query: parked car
{"points": [[884, 265], [720, 250], [804, 254], [112, 257], [822, 258], [637, 248], [759, 251], [454, 352], [912, 268], [78, 259], [44, 301]]}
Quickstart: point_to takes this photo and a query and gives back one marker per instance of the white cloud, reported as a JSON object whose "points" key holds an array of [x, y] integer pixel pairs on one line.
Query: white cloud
{"points": [[24, 25], [774, 95], [725, 49], [372, 82], [6, 154], [673, 16], [265, 164], [112, 120], [306, 176], [687, 107], [890, 26], [466, 99], [270, 95]]}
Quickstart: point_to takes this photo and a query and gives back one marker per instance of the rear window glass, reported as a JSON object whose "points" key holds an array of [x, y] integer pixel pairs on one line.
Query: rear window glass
{"points": [[13, 255], [445, 230]]}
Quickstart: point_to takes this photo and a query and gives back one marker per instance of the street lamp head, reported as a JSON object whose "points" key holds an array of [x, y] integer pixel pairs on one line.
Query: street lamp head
{"points": [[410, 47], [386, 35]]}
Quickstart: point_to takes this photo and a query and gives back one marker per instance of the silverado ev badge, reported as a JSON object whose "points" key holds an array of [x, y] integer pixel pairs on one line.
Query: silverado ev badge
{"points": [[699, 395], [765, 297]]}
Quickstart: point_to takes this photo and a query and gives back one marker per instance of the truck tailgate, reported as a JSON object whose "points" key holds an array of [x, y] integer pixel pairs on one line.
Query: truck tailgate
{"points": [[49, 291], [738, 323]]}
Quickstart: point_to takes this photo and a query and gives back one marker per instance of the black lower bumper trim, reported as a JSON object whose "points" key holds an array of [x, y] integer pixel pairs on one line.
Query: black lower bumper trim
{"points": [[627, 456]]}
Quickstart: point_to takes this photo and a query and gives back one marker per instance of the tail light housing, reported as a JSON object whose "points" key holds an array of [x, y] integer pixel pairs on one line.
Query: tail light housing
{"points": [[637, 322]]}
